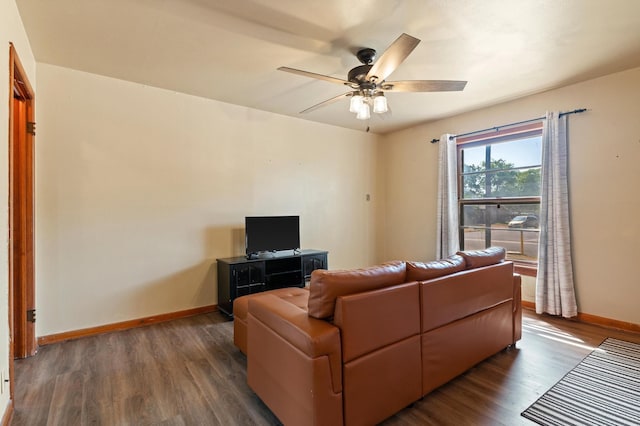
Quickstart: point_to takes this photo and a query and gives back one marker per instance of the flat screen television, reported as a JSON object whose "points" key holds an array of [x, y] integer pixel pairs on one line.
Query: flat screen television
{"points": [[271, 233]]}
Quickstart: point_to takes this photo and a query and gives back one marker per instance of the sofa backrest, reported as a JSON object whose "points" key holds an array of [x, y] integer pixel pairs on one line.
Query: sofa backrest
{"points": [[422, 271], [376, 319], [449, 298], [451, 289], [484, 257], [327, 285]]}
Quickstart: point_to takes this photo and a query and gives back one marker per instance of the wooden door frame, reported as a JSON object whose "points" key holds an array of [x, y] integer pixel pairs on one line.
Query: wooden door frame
{"points": [[22, 290]]}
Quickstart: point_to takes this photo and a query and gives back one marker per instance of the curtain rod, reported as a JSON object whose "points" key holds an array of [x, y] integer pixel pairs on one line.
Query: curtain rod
{"points": [[497, 128]]}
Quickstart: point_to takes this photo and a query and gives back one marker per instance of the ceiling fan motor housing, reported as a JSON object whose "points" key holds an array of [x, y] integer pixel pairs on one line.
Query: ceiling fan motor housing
{"points": [[358, 74], [366, 55]]}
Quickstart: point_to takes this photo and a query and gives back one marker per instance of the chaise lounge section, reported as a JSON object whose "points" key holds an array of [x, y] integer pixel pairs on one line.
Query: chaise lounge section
{"points": [[359, 345]]}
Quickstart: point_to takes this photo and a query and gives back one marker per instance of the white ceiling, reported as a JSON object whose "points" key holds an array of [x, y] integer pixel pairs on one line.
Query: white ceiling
{"points": [[229, 50]]}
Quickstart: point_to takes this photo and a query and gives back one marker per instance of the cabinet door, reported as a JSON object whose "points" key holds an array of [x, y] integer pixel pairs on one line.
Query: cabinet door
{"points": [[248, 278], [312, 262]]}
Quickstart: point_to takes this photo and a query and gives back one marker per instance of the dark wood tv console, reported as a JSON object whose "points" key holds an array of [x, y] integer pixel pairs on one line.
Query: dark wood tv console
{"points": [[238, 276]]}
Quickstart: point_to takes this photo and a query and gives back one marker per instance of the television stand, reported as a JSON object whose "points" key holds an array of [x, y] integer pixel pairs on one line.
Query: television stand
{"points": [[238, 276]]}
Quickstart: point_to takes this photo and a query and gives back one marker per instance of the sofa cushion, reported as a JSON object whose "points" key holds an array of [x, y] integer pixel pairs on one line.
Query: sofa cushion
{"points": [[326, 285], [422, 271], [478, 258], [296, 296]]}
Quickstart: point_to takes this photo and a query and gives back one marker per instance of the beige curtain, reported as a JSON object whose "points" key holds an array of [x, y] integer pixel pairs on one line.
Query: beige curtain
{"points": [[447, 237], [554, 285]]}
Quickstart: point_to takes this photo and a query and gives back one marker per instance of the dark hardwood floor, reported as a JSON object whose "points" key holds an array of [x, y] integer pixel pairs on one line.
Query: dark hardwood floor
{"points": [[187, 372]]}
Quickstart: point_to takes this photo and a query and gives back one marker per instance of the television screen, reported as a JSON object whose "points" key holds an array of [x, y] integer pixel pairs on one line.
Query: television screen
{"points": [[271, 233]]}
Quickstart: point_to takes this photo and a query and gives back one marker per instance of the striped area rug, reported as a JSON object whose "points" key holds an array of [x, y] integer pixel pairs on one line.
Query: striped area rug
{"points": [[604, 389]]}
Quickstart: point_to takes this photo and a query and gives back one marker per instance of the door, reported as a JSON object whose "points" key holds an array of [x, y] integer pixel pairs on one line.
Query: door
{"points": [[21, 214]]}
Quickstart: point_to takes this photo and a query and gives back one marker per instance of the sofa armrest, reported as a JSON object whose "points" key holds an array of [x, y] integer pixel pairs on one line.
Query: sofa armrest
{"points": [[517, 307], [314, 337]]}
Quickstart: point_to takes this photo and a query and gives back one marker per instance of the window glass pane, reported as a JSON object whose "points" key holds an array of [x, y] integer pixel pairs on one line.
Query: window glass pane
{"points": [[474, 159], [474, 186], [515, 183], [512, 226], [518, 153], [502, 183]]}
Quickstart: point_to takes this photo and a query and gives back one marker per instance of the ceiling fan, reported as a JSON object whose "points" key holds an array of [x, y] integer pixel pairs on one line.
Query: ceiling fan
{"points": [[368, 81]]}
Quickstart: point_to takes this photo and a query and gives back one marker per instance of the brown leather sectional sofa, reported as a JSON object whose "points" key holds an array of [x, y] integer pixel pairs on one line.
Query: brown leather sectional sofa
{"points": [[359, 345]]}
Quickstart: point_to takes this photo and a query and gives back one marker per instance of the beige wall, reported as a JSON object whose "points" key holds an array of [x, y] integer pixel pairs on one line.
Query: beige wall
{"points": [[140, 189], [11, 30], [604, 175]]}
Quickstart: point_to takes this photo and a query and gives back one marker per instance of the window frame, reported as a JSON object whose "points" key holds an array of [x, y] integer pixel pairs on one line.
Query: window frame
{"points": [[523, 267]]}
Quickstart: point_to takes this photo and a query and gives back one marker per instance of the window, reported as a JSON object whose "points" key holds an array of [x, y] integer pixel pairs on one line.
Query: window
{"points": [[499, 192]]}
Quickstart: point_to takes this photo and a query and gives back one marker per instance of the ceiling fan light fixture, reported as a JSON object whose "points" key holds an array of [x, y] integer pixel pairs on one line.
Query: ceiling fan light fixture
{"points": [[356, 103], [364, 113], [380, 104]]}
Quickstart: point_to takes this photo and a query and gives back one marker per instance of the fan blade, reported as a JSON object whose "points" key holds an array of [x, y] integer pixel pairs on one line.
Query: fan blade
{"points": [[423, 86], [327, 102], [392, 57], [314, 75]]}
